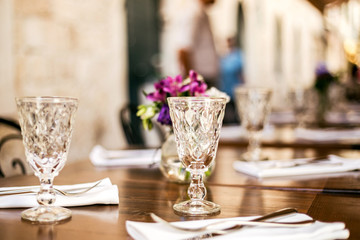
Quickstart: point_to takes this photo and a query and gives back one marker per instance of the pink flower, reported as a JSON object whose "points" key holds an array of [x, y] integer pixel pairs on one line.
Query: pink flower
{"points": [[173, 86], [157, 96], [197, 86], [167, 87]]}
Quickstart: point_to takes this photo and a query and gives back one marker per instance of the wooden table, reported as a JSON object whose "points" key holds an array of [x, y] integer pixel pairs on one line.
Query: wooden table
{"points": [[145, 190], [285, 136]]}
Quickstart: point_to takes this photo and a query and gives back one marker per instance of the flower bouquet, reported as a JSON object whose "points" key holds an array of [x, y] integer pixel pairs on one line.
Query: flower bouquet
{"points": [[323, 81], [193, 85]]}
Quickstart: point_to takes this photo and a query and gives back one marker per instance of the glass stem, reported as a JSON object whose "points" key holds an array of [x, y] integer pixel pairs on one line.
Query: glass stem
{"points": [[46, 195], [254, 144], [197, 190]]}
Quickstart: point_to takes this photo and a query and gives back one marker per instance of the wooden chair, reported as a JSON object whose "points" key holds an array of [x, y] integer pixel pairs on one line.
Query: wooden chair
{"points": [[12, 152]]}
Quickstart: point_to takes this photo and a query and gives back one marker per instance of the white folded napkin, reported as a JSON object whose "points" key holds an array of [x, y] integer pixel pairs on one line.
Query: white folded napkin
{"points": [[316, 231], [104, 193], [327, 135], [101, 157], [348, 117], [236, 132], [281, 168]]}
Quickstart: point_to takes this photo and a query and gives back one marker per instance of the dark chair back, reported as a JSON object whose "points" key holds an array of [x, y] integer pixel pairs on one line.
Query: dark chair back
{"points": [[12, 152], [133, 129]]}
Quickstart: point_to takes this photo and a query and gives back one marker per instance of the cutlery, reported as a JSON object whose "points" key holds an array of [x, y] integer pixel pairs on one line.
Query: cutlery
{"points": [[72, 192], [321, 160], [254, 222], [234, 228]]}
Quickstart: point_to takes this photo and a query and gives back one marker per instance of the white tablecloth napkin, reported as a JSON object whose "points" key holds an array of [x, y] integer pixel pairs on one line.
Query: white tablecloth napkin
{"points": [[281, 168], [327, 135], [348, 117], [316, 231], [100, 157], [104, 193], [236, 132]]}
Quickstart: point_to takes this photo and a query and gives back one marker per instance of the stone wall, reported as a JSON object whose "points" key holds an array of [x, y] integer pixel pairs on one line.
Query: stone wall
{"points": [[70, 48]]}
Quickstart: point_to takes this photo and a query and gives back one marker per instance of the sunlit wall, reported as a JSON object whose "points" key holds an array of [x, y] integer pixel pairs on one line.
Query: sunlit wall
{"points": [[68, 48], [283, 44]]}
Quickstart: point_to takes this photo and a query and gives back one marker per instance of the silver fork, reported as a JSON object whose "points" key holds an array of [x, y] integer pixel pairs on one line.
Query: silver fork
{"points": [[254, 222], [320, 160], [73, 192]]}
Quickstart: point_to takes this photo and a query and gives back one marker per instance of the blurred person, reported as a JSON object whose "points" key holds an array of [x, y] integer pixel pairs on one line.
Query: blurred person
{"points": [[231, 68], [188, 42], [231, 65]]}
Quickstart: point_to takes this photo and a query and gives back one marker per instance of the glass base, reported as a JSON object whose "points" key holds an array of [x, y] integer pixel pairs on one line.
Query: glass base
{"points": [[250, 157], [196, 208], [46, 214]]}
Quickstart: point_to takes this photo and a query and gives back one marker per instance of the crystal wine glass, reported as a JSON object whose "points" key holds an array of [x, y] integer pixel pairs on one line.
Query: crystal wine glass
{"points": [[303, 102], [46, 126], [298, 104], [197, 122], [253, 106]]}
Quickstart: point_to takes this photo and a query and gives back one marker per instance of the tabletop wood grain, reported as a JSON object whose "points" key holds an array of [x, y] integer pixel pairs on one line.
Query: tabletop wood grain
{"points": [[145, 190]]}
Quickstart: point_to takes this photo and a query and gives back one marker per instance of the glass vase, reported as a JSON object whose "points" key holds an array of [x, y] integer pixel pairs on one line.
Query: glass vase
{"points": [[171, 166], [322, 109]]}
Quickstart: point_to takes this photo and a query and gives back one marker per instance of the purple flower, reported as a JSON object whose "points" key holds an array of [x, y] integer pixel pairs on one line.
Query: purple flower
{"points": [[164, 115], [323, 78], [194, 85], [321, 69]]}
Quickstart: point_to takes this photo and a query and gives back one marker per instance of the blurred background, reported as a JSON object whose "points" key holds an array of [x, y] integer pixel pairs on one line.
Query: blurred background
{"points": [[106, 52]]}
